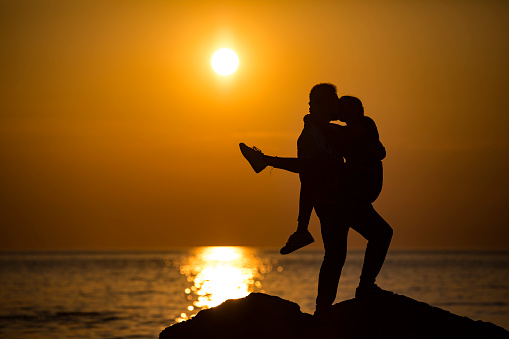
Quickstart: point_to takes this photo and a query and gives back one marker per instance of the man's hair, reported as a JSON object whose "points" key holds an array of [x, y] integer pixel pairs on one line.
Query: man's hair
{"points": [[353, 103], [322, 92]]}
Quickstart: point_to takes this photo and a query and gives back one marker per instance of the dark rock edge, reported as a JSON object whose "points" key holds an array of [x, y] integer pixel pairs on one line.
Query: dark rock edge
{"points": [[385, 316]]}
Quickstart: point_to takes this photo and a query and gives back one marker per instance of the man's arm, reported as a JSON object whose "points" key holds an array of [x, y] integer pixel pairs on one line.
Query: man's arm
{"points": [[339, 136]]}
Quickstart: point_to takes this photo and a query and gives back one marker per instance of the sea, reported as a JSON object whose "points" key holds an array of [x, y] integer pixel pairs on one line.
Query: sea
{"points": [[138, 294]]}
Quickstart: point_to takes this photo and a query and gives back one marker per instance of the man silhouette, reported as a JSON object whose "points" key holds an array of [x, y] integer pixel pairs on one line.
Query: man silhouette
{"points": [[338, 206]]}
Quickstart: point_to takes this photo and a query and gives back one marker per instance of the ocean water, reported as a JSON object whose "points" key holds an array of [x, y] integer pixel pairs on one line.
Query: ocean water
{"points": [[136, 295]]}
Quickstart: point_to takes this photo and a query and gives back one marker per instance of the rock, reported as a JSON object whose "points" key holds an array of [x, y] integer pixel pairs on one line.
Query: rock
{"points": [[256, 316], [386, 316], [396, 316]]}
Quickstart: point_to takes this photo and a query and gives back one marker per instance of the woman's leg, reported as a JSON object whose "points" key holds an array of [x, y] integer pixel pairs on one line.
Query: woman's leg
{"points": [[295, 165], [259, 161]]}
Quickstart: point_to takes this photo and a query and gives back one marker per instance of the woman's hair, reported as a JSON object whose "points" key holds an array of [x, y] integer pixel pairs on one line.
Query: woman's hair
{"points": [[352, 103]]}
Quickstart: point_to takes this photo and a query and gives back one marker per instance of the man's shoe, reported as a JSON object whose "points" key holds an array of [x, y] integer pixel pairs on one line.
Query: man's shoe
{"points": [[368, 291], [254, 156], [322, 315], [296, 241]]}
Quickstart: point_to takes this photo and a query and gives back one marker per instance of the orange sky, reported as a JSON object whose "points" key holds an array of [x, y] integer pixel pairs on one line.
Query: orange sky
{"points": [[115, 133]]}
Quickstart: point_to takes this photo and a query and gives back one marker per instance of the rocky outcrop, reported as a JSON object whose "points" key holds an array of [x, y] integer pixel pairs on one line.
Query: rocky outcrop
{"points": [[396, 316], [386, 316], [256, 316]]}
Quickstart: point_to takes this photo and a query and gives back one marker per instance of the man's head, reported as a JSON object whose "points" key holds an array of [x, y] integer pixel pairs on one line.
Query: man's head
{"points": [[350, 109], [323, 102]]}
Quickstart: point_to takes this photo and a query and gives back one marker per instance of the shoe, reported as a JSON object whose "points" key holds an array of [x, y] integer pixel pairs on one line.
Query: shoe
{"points": [[370, 290], [296, 241], [322, 315], [254, 156]]}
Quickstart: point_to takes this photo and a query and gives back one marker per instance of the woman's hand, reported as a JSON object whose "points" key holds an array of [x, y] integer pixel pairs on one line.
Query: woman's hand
{"points": [[311, 120], [378, 152]]}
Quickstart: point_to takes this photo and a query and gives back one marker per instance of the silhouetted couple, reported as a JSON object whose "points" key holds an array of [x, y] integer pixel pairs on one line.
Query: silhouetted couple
{"points": [[340, 169]]}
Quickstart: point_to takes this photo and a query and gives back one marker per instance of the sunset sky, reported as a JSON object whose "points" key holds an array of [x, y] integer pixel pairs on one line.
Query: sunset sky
{"points": [[116, 134]]}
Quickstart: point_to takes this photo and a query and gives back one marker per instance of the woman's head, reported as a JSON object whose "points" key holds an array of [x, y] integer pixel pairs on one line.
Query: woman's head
{"points": [[350, 108], [323, 101]]}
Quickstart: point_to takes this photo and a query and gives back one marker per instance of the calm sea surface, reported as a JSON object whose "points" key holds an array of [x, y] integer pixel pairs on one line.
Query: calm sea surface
{"points": [[136, 295]]}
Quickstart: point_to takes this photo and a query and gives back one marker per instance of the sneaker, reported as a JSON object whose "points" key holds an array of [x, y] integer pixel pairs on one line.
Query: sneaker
{"points": [[371, 290], [254, 156], [322, 313], [296, 241]]}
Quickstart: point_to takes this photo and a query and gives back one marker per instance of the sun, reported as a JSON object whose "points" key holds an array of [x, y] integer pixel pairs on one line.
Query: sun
{"points": [[225, 61]]}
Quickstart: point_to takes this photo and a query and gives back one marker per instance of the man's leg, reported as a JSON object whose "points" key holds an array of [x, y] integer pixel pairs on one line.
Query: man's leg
{"points": [[365, 220], [334, 235]]}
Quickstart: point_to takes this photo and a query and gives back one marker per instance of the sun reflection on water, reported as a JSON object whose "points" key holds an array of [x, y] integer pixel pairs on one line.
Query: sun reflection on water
{"points": [[221, 273]]}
